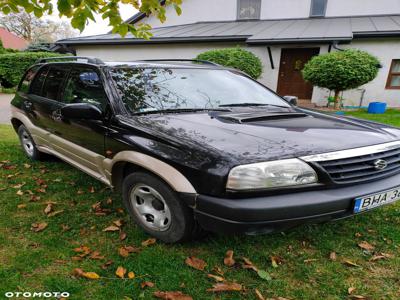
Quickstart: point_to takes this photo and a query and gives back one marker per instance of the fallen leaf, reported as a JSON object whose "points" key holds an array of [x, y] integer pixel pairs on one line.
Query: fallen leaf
{"points": [[107, 264], [228, 260], [379, 256], [132, 249], [27, 166], [48, 209], [20, 193], [216, 277], [149, 242], [37, 227], [259, 296], [350, 290], [90, 275], [80, 192], [111, 228], [18, 186], [118, 223], [218, 270], [332, 256], [357, 234], [77, 272], [264, 275], [350, 263], [358, 297], [34, 198], [91, 190], [131, 275], [145, 284], [173, 295], [310, 260], [109, 201], [65, 227], [226, 287], [276, 261], [120, 272], [55, 213], [123, 252], [122, 236], [196, 263], [249, 265], [366, 246], [21, 206], [96, 255]]}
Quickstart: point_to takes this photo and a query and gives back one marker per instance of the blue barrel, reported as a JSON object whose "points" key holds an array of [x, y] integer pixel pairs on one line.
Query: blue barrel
{"points": [[377, 108]]}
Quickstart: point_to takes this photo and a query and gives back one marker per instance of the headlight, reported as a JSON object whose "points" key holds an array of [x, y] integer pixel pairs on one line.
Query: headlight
{"points": [[278, 173]]}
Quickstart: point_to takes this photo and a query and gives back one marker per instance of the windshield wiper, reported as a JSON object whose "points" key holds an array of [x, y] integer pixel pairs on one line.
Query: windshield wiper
{"points": [[177, 110], [249, 104]]}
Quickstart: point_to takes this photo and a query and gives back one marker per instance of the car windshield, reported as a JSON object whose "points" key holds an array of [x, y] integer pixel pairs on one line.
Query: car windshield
{"points": [[164, 89]]}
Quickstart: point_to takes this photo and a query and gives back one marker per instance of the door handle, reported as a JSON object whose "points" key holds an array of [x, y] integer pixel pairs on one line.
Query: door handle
{"points": [[28, 105]]}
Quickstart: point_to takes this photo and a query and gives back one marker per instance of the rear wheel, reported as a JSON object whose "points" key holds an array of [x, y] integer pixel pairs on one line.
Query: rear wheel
{"points": [[156, 208], [28, 144]]}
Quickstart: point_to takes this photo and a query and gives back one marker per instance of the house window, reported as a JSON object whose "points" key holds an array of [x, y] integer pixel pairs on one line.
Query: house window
{"points": [[393, 81], [318, 8], [248, 9]]}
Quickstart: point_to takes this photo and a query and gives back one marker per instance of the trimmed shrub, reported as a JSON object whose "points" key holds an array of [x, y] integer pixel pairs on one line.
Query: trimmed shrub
{"points": [[237, 58], [13, 65], [341, 70]]}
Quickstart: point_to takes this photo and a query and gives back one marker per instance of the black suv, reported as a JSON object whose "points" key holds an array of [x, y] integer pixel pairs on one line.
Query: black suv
{"points": [[193, 145]]}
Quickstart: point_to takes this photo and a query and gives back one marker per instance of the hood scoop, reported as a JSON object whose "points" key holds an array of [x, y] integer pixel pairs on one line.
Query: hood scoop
{"points": [[256, 117]]}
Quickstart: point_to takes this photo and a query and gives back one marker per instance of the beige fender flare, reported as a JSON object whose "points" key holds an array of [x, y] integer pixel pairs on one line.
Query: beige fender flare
{"points": [[168, 173]]}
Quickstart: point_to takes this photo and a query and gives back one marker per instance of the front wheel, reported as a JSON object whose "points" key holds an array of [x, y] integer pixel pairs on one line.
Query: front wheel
{"points": [[28, 144], [156, 208]]}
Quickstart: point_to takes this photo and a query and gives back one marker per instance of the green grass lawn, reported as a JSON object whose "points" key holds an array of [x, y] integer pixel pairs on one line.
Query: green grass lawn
{"points": [[44, 261]]}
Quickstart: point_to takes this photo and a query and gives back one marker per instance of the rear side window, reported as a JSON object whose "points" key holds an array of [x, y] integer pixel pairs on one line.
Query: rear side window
{"points": [[54, 80], [26, 81], [37, 84]]}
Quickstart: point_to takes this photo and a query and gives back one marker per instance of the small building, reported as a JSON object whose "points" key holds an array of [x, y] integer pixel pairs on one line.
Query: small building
{"points": [[12, 41], [285, 34]]}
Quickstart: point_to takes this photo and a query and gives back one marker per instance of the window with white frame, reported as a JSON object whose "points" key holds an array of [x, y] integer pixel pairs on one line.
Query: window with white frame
{"points": [[318, 8], [248, 9]]}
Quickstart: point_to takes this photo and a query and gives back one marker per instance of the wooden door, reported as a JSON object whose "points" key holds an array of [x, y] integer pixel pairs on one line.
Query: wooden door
{"points": [[290, 81]]}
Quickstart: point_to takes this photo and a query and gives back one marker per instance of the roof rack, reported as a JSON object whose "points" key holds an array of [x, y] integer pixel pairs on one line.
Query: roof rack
{"points": [[206, 62], [91, 60]]}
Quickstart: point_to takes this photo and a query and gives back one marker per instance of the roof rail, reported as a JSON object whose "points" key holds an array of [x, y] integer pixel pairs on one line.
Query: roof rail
{"points": [[91, 60], [206, 62]]}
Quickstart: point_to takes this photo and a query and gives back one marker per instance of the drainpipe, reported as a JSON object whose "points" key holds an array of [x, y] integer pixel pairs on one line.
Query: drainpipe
{"points": [[335, 45]]}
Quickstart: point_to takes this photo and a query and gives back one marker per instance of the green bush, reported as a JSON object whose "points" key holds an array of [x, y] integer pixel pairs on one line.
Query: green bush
{"points": [[13, 65], [237, 58], [341, 70]]}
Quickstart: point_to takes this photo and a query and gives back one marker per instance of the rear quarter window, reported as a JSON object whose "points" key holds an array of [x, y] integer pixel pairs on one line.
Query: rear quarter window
{"points": [[26, 81]]}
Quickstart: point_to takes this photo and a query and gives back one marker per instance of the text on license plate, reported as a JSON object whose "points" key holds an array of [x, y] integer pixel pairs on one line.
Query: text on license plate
{"points": [[372, 201]]}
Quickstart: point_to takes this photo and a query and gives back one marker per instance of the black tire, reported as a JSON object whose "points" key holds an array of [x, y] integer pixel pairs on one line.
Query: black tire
{"points": [[28, 144], [182, 226]]}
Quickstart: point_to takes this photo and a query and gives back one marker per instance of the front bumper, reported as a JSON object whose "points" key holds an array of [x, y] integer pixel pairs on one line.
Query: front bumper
{"points": [[278, 212]]}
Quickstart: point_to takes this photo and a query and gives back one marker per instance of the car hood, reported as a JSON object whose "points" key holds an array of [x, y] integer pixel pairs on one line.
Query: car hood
{"points": [[249, 135]]}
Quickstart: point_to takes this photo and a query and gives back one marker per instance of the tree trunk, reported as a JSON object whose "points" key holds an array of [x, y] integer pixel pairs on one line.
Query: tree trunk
{"points": [[337, 100]]}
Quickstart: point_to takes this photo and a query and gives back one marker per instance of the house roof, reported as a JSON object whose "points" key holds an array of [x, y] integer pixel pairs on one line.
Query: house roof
{"points": [[260, 31], [12, 41]]}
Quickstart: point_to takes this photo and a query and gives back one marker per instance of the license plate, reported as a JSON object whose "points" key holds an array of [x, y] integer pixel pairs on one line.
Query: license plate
{"points": [[371, 201]]}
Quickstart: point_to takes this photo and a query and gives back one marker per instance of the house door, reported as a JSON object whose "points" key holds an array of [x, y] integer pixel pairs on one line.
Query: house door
{"points": [[290, 81]]}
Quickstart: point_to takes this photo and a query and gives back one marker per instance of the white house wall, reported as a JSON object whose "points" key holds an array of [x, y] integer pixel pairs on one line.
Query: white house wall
{"points": [[384, 49], [226, 10]]}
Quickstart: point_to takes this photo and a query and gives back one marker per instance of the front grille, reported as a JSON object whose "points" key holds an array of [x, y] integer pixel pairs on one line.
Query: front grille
{"points": [[361, 168]]}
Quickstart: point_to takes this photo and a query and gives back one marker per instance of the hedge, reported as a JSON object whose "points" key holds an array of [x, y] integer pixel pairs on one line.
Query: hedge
{"points": [[237, 58], [14, 65]]}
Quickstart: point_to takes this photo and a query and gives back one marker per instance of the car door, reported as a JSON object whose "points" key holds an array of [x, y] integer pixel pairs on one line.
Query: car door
{"points": [[82, 140]]}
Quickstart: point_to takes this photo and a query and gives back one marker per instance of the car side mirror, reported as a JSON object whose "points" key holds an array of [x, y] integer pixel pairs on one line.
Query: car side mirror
{"points": [[291, 100], [81, 111]]}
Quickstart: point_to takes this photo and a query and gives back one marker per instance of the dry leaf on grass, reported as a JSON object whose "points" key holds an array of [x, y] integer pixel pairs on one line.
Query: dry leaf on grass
{"points": [[249, 265], [118, 223], [351, 290], [173, 295], [259, 296], [332, 256], [20, 193], [91, 190], [37, 227], [55, 213], [350, 263], [21, 206], [381, 255], [131, 275], [122, 236], [123, 252], [196, 263], [310, 260], [366, 246], [89, 275], [111, 228], [120, 272], [48, 209], [145, 284], [358, 297], [276, 261], [216, 277], [226, 287], [218, 270], [149, 242], [96, 255], [228, 260], [106, 265]]}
